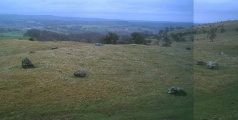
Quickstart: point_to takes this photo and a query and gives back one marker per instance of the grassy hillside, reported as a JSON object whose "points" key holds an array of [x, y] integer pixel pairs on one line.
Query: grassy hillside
{"points": [[215, 95], [123, 81]]}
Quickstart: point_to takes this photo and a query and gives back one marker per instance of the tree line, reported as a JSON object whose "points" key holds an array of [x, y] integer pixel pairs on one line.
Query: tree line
{"points": [[4, 30], [45, 35], [164, 37], [90, 37]]}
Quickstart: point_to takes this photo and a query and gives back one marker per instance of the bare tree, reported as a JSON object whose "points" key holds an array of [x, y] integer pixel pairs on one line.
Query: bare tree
{"points": [[212, 34]]}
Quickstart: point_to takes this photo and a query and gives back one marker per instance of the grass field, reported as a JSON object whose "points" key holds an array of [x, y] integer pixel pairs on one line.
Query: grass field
{"points": [[215, 95], [123, 82], [12, 35]]}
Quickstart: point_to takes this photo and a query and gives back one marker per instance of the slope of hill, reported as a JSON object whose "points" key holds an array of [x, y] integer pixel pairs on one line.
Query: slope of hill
{"points": [[122, 82], [215, 90]]}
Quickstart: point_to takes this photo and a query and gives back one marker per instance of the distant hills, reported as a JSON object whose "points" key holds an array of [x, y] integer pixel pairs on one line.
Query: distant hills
{"points": [[14, 26], [77, 24], [44, 17], [51, 17]]}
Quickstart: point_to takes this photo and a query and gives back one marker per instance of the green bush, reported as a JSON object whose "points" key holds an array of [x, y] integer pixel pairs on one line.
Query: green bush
{"points": [[31, 39], [110, 38]]}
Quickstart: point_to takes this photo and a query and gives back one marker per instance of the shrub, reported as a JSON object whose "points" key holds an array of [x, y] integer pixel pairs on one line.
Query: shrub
{"points": [[110, 38], [223, 30], [212, 34], [31, 39], [167, 41], [137, 38]]}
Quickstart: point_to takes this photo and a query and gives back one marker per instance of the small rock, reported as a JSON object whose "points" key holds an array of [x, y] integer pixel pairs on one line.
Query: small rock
{"points": [[54, 48], [220, 53], [200, 62], [212, 65], [80, 73], [188, 48], [177, 91], [26, 63], [32, 52], [98, 44]]}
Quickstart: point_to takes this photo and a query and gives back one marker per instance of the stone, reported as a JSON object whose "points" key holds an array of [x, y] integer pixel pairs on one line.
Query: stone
{"points": [[212, 65], [32, 52], [200, 62], [188, 48], [26, 63], [98, 44], [220, 53], [80, 73], [54, 48], [176, 91]]}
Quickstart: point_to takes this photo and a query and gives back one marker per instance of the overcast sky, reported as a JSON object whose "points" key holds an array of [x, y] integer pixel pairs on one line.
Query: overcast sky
{"points": [[215, 10], [152, 10]]}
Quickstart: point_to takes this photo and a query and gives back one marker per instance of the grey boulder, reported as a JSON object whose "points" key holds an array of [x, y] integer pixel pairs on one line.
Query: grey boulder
{"points": [[26, 63], [80, 73], [212, 65], [176, 91]]}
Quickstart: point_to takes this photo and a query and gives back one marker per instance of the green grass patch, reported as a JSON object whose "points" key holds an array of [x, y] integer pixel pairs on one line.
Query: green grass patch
{"points": [[123, 81], [215, 90]]}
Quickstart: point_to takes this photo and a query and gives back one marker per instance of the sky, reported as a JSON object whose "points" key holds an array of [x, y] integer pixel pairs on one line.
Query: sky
{"points": [[201, 11], [209, 11]]}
